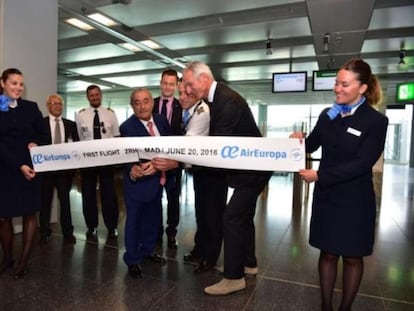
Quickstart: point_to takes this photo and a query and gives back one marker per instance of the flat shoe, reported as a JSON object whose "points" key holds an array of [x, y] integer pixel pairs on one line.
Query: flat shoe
{"points": [[226, 286]]}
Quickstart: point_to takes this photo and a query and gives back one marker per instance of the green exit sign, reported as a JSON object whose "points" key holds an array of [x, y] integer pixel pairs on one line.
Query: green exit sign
{"points": [[405, 92]]}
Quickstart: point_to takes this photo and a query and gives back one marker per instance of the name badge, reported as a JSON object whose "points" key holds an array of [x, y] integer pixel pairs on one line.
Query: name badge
{"points": [[352, 131]]}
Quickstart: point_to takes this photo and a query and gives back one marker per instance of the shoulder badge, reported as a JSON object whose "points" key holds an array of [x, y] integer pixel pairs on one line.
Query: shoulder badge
{"points": [[200, 109]]}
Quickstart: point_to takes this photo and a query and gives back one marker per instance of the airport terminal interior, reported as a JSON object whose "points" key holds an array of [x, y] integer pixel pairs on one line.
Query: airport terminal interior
{"points": [[244, 42]]}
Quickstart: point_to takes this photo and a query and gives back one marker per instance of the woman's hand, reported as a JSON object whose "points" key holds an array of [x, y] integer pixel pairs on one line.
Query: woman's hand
{"points": [[309, 175], [299, 135], [31, 145], [27, 172]]}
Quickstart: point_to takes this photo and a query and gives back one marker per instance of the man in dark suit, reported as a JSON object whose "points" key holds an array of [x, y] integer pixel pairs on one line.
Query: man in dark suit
{"points": [[210, 189], [60, 130], [143, 183], [169, 106], [230, 116]]}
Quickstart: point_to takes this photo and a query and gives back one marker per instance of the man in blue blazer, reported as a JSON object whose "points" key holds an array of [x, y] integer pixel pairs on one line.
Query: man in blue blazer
{"points": [[143, 183], [61, 180]]}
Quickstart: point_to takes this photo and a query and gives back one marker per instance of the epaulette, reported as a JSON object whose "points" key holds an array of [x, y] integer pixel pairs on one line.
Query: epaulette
{"points": [[200, 110], [110, 109], [83, 109]]}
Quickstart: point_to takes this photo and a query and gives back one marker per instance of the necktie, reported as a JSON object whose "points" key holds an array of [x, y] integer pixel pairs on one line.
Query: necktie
{"points": [[150, 128], [164, 107], [186, 117], [58, 135], [152, 133], [96, 126]]}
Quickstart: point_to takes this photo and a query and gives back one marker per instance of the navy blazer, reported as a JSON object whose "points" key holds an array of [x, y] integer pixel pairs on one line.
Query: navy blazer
{"points": [[350, 148], [176, 116], [146, 188]]}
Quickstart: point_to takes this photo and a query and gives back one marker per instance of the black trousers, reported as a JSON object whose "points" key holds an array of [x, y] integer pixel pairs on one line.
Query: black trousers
{"points": [[109, 202], [210, 194], [238, 227], [173, 205], [62, 181]]}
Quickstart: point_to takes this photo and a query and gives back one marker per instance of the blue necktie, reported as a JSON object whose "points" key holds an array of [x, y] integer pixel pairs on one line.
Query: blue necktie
{"points": [[186, 117]]}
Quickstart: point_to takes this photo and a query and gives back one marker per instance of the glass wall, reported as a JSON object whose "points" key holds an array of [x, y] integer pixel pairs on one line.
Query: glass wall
{"points": [[284, 119]]}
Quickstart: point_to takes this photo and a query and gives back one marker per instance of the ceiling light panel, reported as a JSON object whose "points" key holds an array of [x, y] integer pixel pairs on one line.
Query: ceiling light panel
{"points": [[102, 19], [116, 68], [92, 52], [136, 81], [130, 47], [79, 24]]}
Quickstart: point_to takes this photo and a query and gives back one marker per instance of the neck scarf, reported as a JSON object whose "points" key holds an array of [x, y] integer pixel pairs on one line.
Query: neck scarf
{"points": [[343, 108], [5, 101]]}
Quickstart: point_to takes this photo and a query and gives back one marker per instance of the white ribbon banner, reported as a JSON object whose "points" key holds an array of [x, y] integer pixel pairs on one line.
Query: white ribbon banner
{"points": [[248, 153]]}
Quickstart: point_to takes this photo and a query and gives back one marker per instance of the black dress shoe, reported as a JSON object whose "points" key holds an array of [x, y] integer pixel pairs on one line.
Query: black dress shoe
{"points": [[69, 239], [20, 271], [203, 267], [6, 264], [44, 239], [192, 256], [134, 271], [112, 234], [155, 257], [91, 233], [172, 242]]}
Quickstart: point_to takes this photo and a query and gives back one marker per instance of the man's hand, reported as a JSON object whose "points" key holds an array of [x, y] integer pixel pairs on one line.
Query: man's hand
{"points": [[162, 164]]}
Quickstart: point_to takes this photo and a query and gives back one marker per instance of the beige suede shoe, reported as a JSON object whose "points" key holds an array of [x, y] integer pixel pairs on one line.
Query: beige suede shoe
{"points": [[251, 270], [226, 286], [247, 270]]}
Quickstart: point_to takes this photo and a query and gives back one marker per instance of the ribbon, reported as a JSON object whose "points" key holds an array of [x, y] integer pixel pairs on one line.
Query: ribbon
{"points": [[247, 153]]}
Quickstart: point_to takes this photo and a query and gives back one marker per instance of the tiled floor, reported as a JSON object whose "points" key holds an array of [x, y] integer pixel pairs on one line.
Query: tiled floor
{"points": [[92, 276]]}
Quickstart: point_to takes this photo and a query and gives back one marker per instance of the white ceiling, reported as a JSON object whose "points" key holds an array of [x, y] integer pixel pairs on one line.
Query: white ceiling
{"points": [[231, 37]]}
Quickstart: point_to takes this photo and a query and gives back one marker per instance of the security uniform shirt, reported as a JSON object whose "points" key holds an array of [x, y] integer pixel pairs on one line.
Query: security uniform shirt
{"points": [[107, 118]]}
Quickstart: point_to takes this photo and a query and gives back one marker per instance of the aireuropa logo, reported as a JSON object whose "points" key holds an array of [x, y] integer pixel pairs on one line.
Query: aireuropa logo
{"points": [[296, 154], [40, 158], [232, 152]]}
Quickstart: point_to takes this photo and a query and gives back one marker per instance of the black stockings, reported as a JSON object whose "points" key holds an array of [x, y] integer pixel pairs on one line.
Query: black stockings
{"points": [[353, 268], [29, 229], [352, 276], [6, 239]]}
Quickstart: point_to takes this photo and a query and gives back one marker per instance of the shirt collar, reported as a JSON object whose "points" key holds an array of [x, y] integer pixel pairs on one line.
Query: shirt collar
{"points": [[211, 92]]}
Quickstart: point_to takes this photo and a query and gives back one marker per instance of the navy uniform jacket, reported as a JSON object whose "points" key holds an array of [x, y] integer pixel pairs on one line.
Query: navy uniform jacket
{"points": [[18, 127], [344, 209], [144, 189]]}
